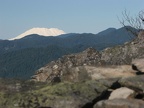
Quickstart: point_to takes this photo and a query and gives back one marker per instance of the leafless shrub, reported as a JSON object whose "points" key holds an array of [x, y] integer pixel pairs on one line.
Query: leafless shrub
{"points": [[136, 22]]}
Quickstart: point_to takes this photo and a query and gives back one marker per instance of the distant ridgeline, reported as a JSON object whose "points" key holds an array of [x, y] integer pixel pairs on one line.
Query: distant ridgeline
{"points": [[22, 57]]}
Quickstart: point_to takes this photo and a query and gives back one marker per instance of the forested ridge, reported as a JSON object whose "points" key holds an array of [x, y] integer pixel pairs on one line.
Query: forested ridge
{"points": [[21, 58]]}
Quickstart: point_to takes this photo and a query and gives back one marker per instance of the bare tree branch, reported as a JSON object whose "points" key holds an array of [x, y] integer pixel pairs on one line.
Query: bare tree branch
{"points": [[136, 22], [141, 15]]}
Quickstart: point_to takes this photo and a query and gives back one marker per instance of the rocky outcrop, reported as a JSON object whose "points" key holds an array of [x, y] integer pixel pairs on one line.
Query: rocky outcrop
{"points": [[120, 103], [72, 66], [68, 66], [124, 54], [82, 73], [86, 94], [130, 95], [135, 83], [61, 95]]}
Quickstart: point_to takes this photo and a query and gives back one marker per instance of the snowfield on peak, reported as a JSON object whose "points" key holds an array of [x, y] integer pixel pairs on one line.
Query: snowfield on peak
{"points": [[41, 32]]}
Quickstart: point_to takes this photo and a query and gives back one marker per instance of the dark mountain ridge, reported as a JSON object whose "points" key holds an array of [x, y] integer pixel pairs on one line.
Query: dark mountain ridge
{"points": [[111, 38], [107, 31]]}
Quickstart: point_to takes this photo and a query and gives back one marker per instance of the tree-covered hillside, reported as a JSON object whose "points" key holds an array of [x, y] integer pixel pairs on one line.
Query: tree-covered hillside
{"points": [[21, 58], [23, 63]]}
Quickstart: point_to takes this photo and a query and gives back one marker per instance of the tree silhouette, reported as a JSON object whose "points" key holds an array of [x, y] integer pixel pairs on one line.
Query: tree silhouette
{"points": [[136, 22]]}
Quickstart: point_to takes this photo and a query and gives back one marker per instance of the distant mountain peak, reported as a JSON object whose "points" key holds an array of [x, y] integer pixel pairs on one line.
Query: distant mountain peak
{"points": [[41, 31], [107, 31]]}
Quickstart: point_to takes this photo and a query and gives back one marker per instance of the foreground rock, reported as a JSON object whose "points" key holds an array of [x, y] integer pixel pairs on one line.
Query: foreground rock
{"points": [[138, 64], [61, 95], [136, 82], [17, 94], [120, 103], [122, 93]]}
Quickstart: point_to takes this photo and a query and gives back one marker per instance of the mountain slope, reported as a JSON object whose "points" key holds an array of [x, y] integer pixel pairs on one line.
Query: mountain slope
{"points": [[41, 32], [23, 63], [86, 40], [105, 32], [75, 67], [21, 57]]}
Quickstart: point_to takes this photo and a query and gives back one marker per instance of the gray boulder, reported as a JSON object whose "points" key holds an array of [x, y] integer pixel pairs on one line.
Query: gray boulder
{"points": [[122, 93], [138, 64], [136, 83], [120, 103]]}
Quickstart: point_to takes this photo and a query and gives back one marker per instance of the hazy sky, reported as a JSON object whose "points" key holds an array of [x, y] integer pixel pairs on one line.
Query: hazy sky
{"points": [[72, 16]]}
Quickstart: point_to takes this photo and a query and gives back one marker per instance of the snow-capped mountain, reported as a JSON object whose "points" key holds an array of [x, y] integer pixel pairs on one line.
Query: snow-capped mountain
{"points": [[41, 31]]}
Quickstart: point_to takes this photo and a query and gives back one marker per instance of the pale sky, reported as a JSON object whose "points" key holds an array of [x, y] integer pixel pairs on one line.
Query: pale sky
{"points": [[71, 16]]}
